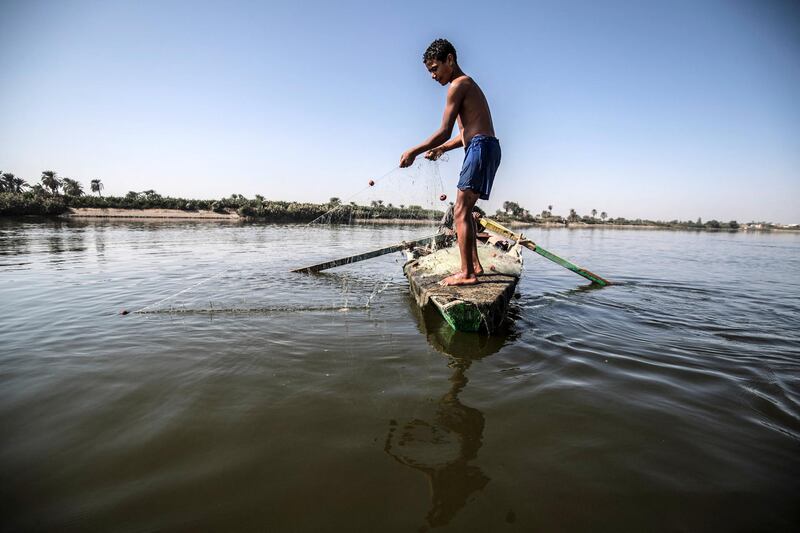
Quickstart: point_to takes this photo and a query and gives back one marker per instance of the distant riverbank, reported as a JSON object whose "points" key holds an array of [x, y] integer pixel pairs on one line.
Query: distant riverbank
{"points": [[150, 205], [94, 212], [616, 226], [177, 214], [235, 207]]}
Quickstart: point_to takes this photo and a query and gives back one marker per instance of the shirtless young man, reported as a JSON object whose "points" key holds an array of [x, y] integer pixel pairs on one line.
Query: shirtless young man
{"points": [[467, 105]]}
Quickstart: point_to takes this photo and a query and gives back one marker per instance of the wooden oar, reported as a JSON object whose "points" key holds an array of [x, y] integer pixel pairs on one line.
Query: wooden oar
{"points": [[438, 239], [530, 245]]}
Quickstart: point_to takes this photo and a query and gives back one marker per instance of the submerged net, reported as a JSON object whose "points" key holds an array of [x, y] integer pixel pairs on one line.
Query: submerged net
{"points": [[243, 290]]}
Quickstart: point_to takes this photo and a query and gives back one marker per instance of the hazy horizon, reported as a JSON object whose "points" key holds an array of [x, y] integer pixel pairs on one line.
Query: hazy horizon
{"points": [[642, 110]]}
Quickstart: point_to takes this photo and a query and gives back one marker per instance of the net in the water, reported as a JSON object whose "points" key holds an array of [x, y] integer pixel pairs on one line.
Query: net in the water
{"points": [[270, 288], [413, 195]]}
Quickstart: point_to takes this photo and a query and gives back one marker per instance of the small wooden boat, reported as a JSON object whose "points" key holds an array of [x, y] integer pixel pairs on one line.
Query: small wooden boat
{"points": [[466, 308], [480, 307]]}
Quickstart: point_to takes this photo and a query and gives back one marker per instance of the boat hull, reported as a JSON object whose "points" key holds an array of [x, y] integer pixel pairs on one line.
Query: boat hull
{"points": [[472, 308]]}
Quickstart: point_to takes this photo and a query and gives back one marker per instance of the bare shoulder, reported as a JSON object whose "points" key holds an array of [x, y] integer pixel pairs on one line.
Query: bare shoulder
{"points": [[460, 87], [463, 82]]}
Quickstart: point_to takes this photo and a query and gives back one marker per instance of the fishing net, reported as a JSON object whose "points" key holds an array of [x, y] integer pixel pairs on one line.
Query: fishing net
{"points": [[240, 290], [492, 259], [403, 204], [413, 195]]}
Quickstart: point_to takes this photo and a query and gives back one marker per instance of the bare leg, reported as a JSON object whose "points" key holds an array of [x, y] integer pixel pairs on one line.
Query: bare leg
{"points": [[465, 227], [476, 262]]}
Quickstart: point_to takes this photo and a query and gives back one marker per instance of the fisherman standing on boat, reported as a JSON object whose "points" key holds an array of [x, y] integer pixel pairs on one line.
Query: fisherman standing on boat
{"points": [[467, 105]]}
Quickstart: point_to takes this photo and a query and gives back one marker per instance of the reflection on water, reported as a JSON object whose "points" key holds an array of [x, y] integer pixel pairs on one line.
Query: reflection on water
{"points": [[442, 448], [460, 344], [51, 238]]}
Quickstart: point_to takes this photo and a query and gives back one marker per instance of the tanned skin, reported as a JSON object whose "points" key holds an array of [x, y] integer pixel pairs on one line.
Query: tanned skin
{"points": [[466, 105]]}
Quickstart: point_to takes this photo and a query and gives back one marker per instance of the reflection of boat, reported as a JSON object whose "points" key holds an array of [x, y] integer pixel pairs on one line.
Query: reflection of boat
{"points": [[442, 448], [444, 443], [448, 341], [466, 308]]}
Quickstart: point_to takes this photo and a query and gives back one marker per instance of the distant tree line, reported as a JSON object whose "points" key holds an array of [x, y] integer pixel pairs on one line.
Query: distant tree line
{"points": [[512, 211], [54, 195]]}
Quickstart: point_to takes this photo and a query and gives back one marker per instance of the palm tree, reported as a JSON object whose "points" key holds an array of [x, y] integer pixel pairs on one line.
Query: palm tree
{"points": [[18, 184], [594, 212], [334, 201], [97, 186], [573, 215], [6, 181], [51, 181], [10, 183], [550, 208], [604, 215], [72, 187]]}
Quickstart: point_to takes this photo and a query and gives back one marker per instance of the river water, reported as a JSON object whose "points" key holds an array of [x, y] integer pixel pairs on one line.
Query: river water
{"points": [[247, 397]]}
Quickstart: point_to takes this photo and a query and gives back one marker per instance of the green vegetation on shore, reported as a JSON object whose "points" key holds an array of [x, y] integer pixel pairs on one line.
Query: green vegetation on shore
{"points": [[55, 195], [513, 212]]}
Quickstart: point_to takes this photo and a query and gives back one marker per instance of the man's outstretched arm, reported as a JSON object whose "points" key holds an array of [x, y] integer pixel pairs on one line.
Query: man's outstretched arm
{"points": [[452, 144], [455, 96]]}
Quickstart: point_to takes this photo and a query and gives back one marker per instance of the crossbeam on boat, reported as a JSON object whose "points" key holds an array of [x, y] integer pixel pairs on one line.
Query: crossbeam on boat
{"points": [[437, 240]]}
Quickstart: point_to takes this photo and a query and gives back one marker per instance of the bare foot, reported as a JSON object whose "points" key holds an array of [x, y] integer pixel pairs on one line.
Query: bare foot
{"points": [[478, 269], [459, 278], [457, 275]]}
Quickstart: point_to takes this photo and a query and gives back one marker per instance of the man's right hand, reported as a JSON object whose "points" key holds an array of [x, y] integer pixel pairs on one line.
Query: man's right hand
{"points": [[434, 154]]}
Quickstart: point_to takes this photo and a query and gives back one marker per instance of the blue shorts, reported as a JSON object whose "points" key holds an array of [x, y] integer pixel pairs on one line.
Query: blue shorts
{"points": [[480, 165]]}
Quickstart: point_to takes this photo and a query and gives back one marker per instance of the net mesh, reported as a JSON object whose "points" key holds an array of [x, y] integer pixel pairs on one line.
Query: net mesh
{"points": [[403, 195], [413, 195]]}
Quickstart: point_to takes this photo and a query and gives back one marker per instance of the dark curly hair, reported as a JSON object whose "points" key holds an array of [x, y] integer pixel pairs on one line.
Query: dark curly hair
{"points": [[438, 50]]}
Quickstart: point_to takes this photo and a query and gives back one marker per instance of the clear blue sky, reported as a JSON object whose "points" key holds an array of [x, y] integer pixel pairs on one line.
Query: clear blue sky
{"points": [[641, 109]]}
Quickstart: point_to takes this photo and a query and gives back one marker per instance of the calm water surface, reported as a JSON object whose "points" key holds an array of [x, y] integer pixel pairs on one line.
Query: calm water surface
{"points": [[260, 399]]}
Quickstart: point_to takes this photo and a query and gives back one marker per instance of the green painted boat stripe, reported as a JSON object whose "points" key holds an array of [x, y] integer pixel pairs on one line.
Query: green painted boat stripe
{"points": [[462, 316]]}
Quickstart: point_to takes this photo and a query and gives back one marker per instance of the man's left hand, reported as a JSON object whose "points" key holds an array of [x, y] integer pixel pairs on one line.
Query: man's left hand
{"points": [[407, 159]]}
